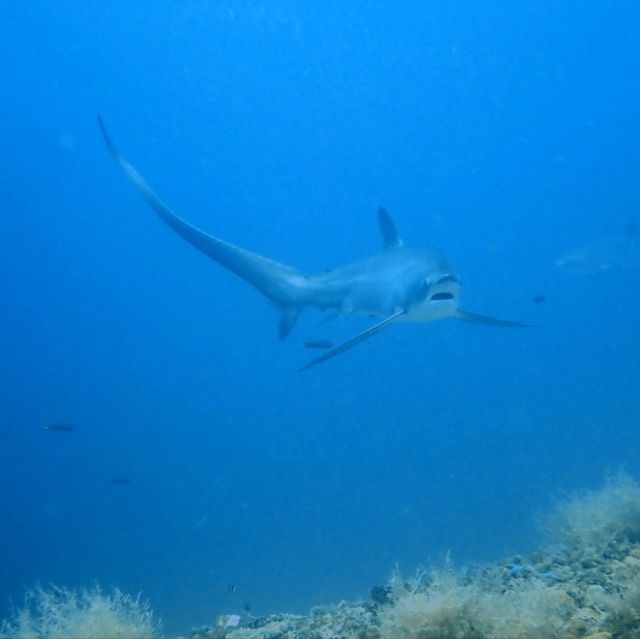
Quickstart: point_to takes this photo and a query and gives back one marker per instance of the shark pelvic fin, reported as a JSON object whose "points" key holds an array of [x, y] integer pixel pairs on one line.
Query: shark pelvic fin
{"points": [[488, 321], [350, 343], [288, 317], [390, 237]]}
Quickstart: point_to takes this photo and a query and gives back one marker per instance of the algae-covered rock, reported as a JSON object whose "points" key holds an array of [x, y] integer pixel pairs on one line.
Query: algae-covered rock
{"points": [[584, 584]]}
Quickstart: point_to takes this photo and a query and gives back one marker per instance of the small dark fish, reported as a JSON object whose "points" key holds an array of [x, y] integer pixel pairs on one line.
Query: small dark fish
{"points": [[318, 343], [247, 608], [539, 299], [123, 481], [61, 428]]}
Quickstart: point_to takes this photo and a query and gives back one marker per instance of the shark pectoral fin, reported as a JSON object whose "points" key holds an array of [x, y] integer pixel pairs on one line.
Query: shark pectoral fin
{"points": [[288, 318], [345, 346], [489, 321]]}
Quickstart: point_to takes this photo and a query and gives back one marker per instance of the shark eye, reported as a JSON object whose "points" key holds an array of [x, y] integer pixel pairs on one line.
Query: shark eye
{"points": [[441, 296]]}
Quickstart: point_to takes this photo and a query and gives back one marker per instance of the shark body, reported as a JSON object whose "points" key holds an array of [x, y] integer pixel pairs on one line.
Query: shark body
{"points": [[606, 256], [397, 284]]}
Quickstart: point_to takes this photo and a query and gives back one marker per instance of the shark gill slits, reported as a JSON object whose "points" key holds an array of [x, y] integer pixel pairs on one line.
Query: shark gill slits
{"points": [[447, 278], [441, 296]]}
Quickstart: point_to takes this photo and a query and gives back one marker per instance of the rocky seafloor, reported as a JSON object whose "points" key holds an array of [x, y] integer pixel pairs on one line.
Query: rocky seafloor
{"points": [[585, 582]]}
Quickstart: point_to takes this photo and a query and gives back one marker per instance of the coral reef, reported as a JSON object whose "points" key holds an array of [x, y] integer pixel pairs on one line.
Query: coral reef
{"points": [[585, 583], [60, 613]]}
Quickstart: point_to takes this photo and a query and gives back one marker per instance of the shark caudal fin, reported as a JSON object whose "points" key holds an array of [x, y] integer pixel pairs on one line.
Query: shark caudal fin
{"points": [[281, 284]]}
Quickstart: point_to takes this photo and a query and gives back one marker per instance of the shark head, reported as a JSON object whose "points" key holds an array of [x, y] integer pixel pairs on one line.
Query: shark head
{"points": [[439, 298]]}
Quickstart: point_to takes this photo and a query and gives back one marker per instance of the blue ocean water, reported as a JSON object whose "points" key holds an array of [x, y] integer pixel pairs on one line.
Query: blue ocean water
{"points": [[503, 135]]}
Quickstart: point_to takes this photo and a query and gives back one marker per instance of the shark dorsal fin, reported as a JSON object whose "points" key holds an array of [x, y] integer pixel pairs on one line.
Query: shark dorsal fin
{"points": [[390, 237]]}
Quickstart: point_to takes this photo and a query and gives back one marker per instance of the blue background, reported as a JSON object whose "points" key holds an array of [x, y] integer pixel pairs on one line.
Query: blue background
{"points": [[503, 134]]}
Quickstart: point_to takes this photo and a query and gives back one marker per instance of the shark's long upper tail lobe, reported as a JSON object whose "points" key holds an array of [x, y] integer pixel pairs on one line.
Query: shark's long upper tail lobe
{"points": [[281, 284]]}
